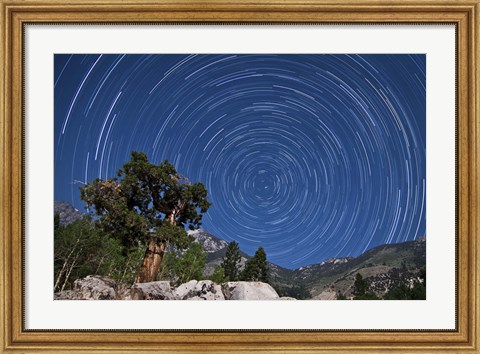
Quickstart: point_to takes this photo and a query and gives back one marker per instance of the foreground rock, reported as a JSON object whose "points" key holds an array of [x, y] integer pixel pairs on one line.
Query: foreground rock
{"points": [[199, 290], [243, 290], [90, 288], [157, 290], [103, 288]]}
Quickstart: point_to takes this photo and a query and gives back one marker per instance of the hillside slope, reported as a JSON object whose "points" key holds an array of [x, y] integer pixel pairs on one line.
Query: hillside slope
{"points": [[384, 267]]}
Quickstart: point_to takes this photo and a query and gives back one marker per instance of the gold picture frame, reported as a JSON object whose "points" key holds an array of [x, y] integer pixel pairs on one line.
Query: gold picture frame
{"points": [[464, 14]]}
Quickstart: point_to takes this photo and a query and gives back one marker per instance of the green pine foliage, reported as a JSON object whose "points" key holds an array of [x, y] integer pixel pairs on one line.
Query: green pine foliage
{"points": [[360, 286], [147, 204], [405, 292], [361, 289], [299, 292], [256, 268], [231, 261], [182, 268], [167, 270], [219, 276], [135, 206], [80, 249]]}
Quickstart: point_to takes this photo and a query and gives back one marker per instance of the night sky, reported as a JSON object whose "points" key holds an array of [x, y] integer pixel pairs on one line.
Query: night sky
{"points": [[309, 156]]}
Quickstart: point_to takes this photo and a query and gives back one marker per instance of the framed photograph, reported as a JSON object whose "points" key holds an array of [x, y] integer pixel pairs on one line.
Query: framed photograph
{"points": [[219, 176]]}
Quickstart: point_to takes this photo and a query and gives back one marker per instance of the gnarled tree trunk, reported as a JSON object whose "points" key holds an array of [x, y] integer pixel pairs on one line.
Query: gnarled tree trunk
{"points": [[151, 261], [154, 252]]}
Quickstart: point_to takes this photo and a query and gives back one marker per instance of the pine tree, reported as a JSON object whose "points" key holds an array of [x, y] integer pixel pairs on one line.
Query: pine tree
{"points": [[231, 261], [360, 286], [361, 289], [147, 204], [262, 265], [256, 268]]}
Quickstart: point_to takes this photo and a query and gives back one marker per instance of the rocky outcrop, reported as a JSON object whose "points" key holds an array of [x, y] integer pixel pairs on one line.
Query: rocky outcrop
{"points": [[243, 290], [157, 290], [96, 288], [90, 288], [382, 283], [66, 212], [210, 243], [199, 290], [103, 288], [65, 295]]}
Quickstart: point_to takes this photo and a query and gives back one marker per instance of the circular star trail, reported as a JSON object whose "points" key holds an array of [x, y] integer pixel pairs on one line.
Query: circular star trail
{"points": [[309, 156]]}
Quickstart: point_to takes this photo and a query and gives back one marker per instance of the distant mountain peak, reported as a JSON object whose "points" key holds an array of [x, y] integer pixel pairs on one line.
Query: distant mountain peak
{"points": [[210, 243], [66, 212]]}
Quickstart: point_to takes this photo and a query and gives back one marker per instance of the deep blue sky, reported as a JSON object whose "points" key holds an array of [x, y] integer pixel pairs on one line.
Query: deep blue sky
{"points": [[310, 156]]}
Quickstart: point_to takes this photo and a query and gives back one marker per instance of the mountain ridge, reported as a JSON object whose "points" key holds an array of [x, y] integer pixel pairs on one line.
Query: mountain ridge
{"points": [[384, 266]]}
